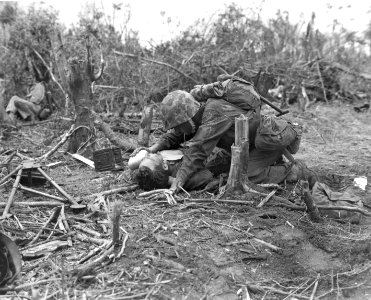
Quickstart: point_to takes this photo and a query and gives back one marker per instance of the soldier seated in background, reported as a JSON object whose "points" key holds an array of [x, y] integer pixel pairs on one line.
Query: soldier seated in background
{"points": [[30, 107]]}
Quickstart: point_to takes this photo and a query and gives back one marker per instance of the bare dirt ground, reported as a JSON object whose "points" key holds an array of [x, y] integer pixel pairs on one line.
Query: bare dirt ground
{"points": [[196, 250]]}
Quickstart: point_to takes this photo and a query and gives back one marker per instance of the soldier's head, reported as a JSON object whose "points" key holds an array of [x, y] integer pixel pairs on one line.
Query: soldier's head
{"points": [[29, 80], [177, 110], [153, 172]]}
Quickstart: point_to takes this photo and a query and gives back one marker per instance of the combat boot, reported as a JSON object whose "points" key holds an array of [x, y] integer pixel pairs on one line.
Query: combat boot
{"points": [[300, 171]]}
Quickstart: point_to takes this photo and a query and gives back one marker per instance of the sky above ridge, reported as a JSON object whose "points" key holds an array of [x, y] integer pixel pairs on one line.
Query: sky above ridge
{"points": [[159, 20]]}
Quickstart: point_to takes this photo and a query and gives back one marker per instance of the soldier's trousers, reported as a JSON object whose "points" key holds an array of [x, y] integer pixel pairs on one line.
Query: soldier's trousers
{"points": [[263, 166], [23, 107]]}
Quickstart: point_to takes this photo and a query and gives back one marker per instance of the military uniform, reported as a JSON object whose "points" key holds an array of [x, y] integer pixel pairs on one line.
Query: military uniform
{"points": [[213, 124], [215, 127], [30, 107]]}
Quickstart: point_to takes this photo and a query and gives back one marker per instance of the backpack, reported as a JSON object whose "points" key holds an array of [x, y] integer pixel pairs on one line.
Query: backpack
{"points": [[241, 93], [276, 134], [234, 90]]}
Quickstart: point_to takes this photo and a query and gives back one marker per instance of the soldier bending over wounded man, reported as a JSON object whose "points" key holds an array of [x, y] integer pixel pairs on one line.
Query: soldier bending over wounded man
{"points": [[207, 125]]}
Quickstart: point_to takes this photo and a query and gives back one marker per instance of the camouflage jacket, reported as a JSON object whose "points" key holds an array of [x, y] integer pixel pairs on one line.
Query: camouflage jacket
{"points": [[37, 93], [214, 128]]}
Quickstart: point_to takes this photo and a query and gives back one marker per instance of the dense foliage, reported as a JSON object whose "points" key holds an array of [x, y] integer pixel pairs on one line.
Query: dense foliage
{"points": [[235, 42]]}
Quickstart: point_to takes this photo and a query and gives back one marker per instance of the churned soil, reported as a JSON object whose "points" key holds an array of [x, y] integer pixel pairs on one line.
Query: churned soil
{"points": [[203, 250]]}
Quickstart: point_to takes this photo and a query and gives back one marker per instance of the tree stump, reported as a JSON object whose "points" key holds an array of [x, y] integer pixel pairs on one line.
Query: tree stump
{"points": [[240, 153], [3, 115], [79, 81], [79, 75]]}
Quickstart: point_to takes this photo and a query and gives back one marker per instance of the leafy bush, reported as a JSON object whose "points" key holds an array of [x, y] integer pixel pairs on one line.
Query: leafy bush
{"points": [[236, 42]]}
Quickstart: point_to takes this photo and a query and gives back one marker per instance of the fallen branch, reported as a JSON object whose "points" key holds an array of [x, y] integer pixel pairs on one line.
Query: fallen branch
{"points": [[115, 191], [146, 194], [17, 288], [128, 144], [59, 144], [87, 230], [273, 247], [313, 294], [65, 224], [84, 238], [160, 193], [52, 216], [9, 158], [89, 266], [92, 253], [238, 202], [266, 199], [57, 238], [34, 204], [256, 288], [109, 87], [121, 253]]}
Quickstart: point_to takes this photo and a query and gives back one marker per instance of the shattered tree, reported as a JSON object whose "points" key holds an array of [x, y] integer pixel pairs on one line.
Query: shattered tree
{"points": [[3, 115], [78, 77], [238, 176]]}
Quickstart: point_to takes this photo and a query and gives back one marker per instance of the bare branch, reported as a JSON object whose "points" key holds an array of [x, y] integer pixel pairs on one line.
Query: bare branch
{"points": [[102, 65], [50, 72], [156, 62]]}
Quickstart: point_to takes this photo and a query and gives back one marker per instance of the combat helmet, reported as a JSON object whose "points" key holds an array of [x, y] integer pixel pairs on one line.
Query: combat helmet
{"points": [[178, 107]]}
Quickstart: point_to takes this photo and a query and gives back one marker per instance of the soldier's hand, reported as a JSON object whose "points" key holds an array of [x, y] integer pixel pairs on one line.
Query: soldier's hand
{"points": [[175, 187], [136, 151]]}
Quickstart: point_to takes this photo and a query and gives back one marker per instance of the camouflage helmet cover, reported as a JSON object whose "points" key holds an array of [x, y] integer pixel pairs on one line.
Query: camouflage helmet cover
{"points": [[178, 107]]}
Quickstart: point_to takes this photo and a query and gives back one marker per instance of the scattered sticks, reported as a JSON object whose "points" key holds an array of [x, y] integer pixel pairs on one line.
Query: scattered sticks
{"points": [[52, 216], [266, 199], [268, 245]]}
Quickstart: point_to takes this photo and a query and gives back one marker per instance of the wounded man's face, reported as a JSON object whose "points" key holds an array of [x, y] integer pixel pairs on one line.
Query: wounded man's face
{"points": [[153, 172], [153, 161]]}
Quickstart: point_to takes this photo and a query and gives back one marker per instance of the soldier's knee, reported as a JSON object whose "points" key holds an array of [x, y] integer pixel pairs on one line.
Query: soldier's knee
{"points": [[17, 101]]}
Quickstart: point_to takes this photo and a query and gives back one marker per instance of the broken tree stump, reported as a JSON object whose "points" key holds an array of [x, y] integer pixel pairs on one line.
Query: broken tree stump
{"points": [[145, 126], [240, 154], [3, 115], [79, 74]]}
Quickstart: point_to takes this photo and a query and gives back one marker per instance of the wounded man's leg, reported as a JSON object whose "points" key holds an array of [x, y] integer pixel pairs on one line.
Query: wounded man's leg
{"points": [[198, 180]]}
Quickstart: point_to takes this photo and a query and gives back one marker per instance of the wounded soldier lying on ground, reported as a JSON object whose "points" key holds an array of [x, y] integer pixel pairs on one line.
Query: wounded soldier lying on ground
{"points": [[158, 170]]}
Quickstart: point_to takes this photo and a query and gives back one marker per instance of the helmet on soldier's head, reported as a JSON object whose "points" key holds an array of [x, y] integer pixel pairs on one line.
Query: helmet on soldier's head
{"points": [[178, 107]]}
